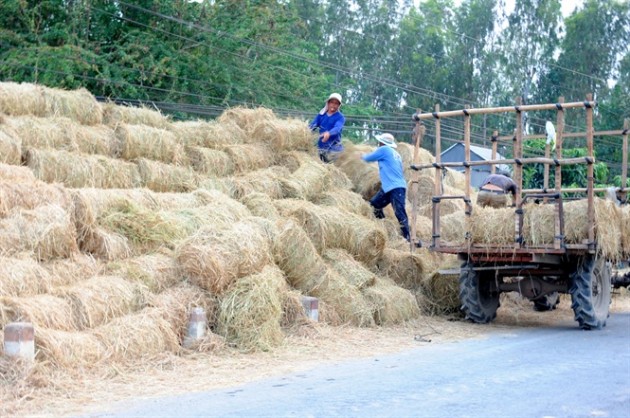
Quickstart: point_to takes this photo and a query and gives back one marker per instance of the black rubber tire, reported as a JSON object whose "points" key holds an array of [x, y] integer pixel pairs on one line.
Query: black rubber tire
{"points": [[590, 292], [547, 302], [479, 302]]}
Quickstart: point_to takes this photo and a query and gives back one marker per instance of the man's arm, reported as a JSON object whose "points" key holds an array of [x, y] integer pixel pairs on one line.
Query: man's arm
{"points": [[315, 123], [338, 126], [373, 156]]}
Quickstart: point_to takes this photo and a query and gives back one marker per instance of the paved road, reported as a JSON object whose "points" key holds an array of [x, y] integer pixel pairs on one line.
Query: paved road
{"points": [[533, 372]]}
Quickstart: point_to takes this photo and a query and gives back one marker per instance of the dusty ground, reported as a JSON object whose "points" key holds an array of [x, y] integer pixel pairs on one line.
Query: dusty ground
{"points": [[86, 391]]}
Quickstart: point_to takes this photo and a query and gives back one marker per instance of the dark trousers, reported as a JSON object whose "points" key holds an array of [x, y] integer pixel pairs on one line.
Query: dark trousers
{"points": [[397, 198]]}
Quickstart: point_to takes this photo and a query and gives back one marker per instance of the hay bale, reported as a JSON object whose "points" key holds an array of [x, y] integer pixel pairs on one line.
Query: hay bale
{"points": [[211, 162], [79, 170], [309, 180], [442, 293], [446, 208], [246, 118], [348, 268], [405, 268], [269, 181], [22, 277], [227, 185], [31, 194], [156, 271], [79, 105], [213, 258], [138, 141], [46, 311], [115, 115], [68, 349], [625, 230], [10, 146], [130, 337], [103, 244], [406, 151], [209, 134], [100, 299], [45, 133], [249, 157], [364, 176], [251, 311], [345, 199], [16, 174], [46, 231], [293, 159], [283, 134], [260, 204], [67, 271], [492, 225], [22, 99], [391, 304], [454, 227], [455, 179], [98, 139], [161, 177]]}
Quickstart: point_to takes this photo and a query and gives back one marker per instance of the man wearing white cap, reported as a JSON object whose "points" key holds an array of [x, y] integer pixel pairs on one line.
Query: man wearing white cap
{"points": [[393, 184], [330, 122]]}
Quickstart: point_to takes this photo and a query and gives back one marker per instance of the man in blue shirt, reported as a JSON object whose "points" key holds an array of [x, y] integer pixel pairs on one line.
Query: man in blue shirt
{"points": [[393, 184], [330, 122]]}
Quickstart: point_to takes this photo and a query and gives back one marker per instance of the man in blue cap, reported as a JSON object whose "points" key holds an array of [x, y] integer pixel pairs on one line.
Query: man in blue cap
{"points": [[330, 122]]}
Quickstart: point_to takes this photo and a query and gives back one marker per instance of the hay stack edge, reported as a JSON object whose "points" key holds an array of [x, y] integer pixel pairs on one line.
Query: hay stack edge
{"points": [[116, 222]]}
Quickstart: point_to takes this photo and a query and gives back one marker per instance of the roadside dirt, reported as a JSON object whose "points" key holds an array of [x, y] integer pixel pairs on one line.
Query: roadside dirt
{"points": [[84, 392]]}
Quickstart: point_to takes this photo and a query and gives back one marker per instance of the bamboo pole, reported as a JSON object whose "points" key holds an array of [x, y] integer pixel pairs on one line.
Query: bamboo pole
{"points": [[518, 108], [566, 135], [624, 161], [558, 241], [438, 181], [467, 156], [493, 139], [414, 184], [531, 160], [518, 171], [572, 190], [590, 174]]}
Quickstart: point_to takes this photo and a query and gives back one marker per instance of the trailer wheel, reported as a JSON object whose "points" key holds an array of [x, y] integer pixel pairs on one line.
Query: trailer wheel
{"points": [[478, 295], [547, 302], [590, 292]]}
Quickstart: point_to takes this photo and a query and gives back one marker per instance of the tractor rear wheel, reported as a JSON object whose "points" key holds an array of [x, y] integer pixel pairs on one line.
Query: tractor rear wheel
{"points": [[478, 295], [590, 292]]}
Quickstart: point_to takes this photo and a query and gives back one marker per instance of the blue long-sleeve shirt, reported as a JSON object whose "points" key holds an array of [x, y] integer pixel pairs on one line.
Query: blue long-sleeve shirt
{"points": [[334, 125], [390, 167]]}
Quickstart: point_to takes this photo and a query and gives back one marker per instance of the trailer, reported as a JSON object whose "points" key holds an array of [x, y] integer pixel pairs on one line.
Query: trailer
{"points": [[538, 272]]}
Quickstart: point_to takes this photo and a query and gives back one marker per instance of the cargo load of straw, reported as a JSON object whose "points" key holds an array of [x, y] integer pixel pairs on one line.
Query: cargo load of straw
{"points": [[115, 115], [138, 141], [98, 139], [68, 349], [345, 199], [406, 269], [249, 157], [269, 181], [209, 134], [391, 304], [215, 257], [145, 333], [283, 134], [45, 311], [100, 299], [454, 227], [80, 170], [18, 99], [162, 177], [16, 173], [355, 273], [10, 146], [442, 293], [157, 271], [260, 204], [46, 231], [22, 277], [29, 195], [246, 118], [491, 225], [250, 312], [447, 207], [44, 133], [210, 162], [625, 230], [79, 105], [364, 176], [309, 180]]}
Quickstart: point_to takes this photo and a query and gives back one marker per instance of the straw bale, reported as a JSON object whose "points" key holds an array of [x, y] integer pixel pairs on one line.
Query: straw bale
{"points": [[406, 151], [45, 133], [293, 159], [10, 146], [283, 134], [246, 118], [251, 311], [364, 176], [16, 174], [156, 271], [138, 141], [294, 320], [162, 177], [309, 180], [454, 227], [355, 273], [625, 230], [345, 199], [227, 185], [29, 195], [80, 170], [492, 225], [78, 105], [22, 277], [270, 181], [209, 134], [249, 157], [145, 333], [455, 179], [44, 310], [337, 179], [391, 304], [405, 268], [442, 293], [22, 99], [608, 229], [260, 204], [296, 255], [99, 299], [103, 244], [214, 258], [67, 271], [115, 115], [538, 224], [97, 139], [47, 231], [68, 349], [209, 161], [424, 228], [446, 208]]}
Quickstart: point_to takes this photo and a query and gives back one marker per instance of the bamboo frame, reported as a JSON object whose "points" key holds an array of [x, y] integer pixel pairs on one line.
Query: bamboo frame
{"points": [[414, 185], [518, 108]]}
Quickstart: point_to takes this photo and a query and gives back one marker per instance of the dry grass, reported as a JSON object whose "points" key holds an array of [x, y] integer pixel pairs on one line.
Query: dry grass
{"points": [[347, 267], [23, 277], [364, 176], [309, 180], [78, 105], [22, 99], [208, 134], [138, 141], [30, 195], [98, 139], [249, 157], [211, 162], [44, 133], [269, 181], [156, 271], [115, 115], [45, 311], [260, 204], [16, 174], [345, 199], [405, 268], [162, 177], [283, 134], [67, 349], [10, 146], [442, 293], [625, 230], [391, 304], [246, 118]]}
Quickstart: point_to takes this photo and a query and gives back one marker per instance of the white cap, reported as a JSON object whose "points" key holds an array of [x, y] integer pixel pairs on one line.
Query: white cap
{"points": [[387, 139], [335, 96]]}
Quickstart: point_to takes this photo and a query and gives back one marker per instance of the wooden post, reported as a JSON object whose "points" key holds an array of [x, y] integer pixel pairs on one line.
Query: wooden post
{"points": [[558, 241], [414, 184], [467, 153], [437, 191], [518, 171], [494, 140], [624, 161], [590, 173]]}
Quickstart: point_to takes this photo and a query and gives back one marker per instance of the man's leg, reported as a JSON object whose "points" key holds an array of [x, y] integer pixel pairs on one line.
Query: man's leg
{"points": [[378, 202], [398, 201]]}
